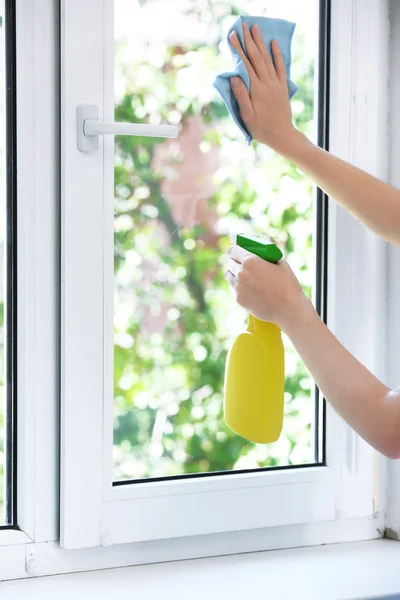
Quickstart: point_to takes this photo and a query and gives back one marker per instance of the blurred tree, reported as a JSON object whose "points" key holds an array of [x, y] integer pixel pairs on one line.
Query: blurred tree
{"points": [[174, 315]]}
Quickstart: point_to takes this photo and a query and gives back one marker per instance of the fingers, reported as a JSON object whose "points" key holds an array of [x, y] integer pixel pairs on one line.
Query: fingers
{"points": [[257, 61], [259, 42], [239, 254], [234, 40], [278, 61], [231, 279], [233, 266], [241, 94]]}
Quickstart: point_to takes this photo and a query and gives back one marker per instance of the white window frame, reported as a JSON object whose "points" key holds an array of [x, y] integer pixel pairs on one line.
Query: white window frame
{"points": [[355, 475], [37, 276], [93, 512]]}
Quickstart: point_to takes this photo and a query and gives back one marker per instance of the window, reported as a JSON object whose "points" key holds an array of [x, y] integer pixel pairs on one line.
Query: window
{"points": [[97, 320], [7, 264], [175, 204], [138, 350]]}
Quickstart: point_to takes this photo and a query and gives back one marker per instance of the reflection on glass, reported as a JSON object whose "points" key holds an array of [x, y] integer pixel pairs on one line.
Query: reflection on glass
{"points": [[175, 203], [2, 266]]}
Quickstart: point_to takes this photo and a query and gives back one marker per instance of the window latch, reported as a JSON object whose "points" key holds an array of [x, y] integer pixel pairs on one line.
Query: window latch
{"points": [[89, 128]]}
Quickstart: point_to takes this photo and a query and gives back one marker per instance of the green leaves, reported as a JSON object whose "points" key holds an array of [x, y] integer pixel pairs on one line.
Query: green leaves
{"points": [[175, 317]]}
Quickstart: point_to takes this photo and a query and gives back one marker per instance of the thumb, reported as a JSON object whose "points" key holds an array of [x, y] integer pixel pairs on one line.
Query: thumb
{"points": [[242, 97]]}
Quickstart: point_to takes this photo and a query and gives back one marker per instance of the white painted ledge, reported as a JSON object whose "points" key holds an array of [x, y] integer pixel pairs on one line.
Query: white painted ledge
{"points": [[335, 572]]}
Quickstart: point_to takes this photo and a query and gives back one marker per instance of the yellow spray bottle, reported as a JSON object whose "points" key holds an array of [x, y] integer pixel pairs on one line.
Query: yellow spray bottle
{"points": [[254, 373]]}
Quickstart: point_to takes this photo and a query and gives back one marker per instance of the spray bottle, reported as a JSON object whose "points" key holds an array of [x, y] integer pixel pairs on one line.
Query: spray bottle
{"points": [[254, 373]]}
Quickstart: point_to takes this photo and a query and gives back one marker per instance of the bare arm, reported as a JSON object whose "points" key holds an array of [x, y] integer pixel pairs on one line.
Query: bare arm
{"points": [[272, 293], [375, 203], [267, 115], [357, 395]]}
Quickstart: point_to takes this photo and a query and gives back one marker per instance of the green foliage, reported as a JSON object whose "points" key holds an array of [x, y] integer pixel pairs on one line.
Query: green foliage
{"points": [[168, 383]]}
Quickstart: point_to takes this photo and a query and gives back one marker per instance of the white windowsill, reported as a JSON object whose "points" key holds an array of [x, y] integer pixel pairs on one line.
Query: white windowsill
{"points": [[339, 571]]}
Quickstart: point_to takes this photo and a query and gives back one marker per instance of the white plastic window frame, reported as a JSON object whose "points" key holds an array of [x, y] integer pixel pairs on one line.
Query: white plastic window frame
{"points": [[93, 512], [38, 273], [357, 508]]}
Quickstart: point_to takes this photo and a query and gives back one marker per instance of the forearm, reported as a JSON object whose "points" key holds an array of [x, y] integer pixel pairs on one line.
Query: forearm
{"points": [[373, 202], [359, 397]]}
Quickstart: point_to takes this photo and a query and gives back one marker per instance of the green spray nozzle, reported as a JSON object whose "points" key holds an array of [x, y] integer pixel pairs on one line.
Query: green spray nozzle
{"points": [[262, 247]]}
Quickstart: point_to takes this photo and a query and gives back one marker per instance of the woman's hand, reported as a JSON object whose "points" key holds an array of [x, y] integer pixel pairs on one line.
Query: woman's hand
{"points": [[268, 291], [266, 111]]}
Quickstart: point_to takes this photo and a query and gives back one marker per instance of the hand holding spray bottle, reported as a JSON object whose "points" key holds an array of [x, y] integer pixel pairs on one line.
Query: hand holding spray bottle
{"points": [[254, 373]]}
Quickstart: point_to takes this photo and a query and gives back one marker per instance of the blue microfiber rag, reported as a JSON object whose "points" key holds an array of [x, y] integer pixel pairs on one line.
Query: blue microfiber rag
{"points": [[271, 29]]}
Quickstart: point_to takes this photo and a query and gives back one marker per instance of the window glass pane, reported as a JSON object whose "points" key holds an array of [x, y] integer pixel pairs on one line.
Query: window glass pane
{"points": [[2, 231], [7, 260], [175, 203]]}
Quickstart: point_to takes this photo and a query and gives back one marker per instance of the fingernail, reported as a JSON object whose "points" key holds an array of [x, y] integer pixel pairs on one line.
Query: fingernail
{"points": [[235, 81], [232, 36], [245, 26], [256, 29]]}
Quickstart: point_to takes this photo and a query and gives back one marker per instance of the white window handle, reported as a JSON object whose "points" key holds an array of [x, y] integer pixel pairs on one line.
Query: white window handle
{"points": [[89, 128]]}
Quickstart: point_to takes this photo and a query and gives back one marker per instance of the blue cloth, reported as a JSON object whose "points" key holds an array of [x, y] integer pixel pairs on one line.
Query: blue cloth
{"points": [[271, 29]]}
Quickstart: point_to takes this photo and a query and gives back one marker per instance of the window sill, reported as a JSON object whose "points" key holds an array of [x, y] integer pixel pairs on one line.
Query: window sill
{"points": [[339, 571]]}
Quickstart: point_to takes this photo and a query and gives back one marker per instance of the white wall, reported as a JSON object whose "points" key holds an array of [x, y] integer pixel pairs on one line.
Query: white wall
{"points": [[393, 320]]}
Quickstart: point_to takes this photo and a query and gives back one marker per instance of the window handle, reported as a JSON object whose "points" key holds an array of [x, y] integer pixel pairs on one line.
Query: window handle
{"points": [[89, 128]]}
